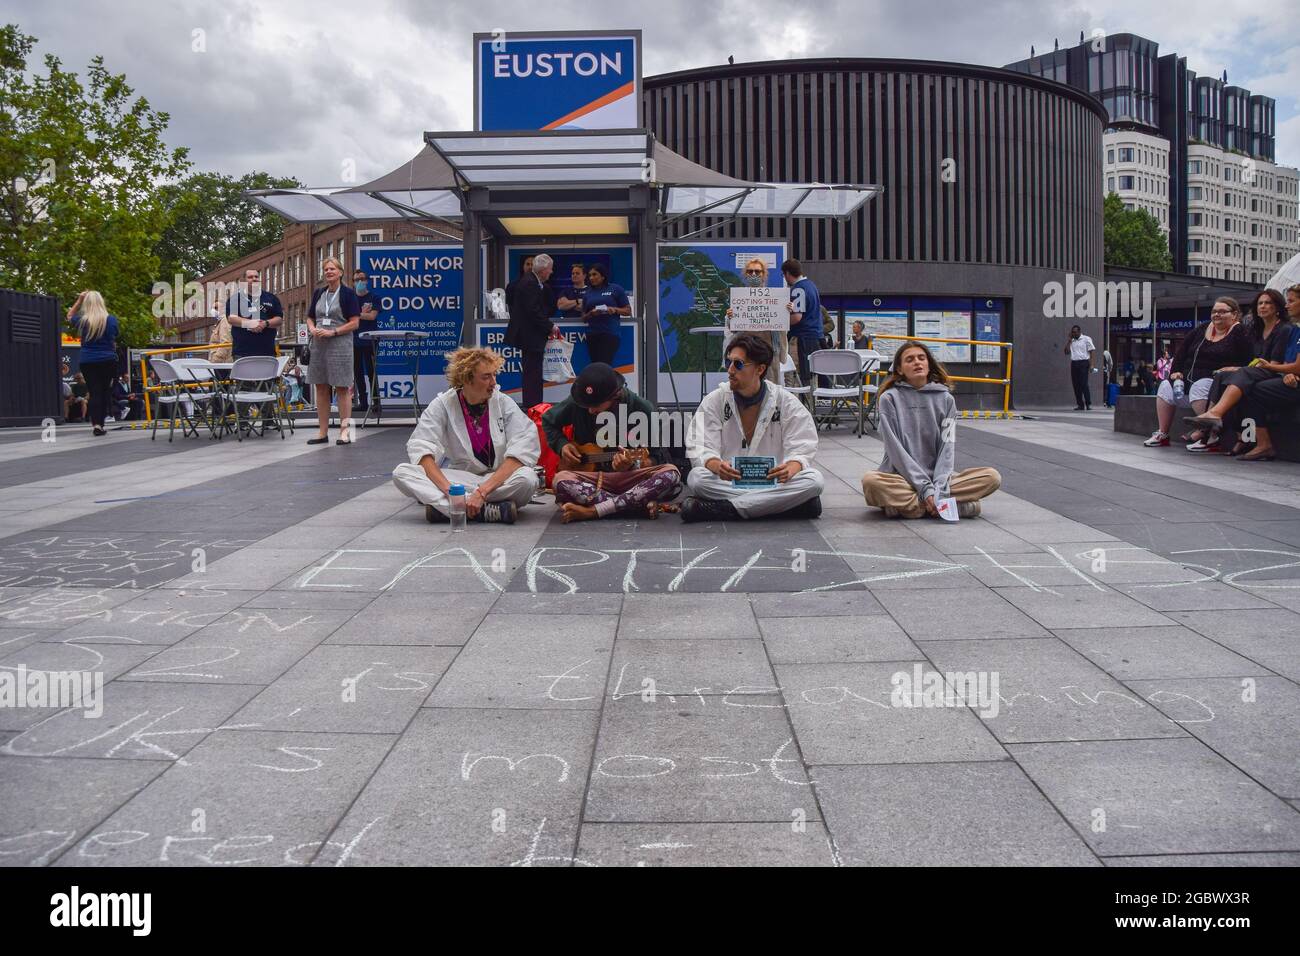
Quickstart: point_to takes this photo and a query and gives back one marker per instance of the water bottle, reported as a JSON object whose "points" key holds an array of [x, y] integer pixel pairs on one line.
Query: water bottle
{"points": [[456, 508], [1178, 390]]}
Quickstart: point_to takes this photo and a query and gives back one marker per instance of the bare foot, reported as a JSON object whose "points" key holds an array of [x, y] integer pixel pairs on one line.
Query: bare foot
{"points": [[575, 512], [652, 510]]}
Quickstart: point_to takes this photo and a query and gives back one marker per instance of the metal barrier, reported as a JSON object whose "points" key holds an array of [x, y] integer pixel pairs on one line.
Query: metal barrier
{"points": [[1005, 381]]}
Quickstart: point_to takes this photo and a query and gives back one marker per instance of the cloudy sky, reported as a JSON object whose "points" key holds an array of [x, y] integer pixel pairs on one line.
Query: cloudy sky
{"points": [[301, 88]]}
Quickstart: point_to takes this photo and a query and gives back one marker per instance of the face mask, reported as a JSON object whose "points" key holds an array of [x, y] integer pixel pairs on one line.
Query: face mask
{"points": [[361, 287], [754, 281]]}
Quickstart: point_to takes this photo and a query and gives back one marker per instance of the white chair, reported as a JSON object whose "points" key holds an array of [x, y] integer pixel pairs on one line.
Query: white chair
{"points": [[254, 384], [789, 365], [844, 368], [177, 398], [199, 372]]}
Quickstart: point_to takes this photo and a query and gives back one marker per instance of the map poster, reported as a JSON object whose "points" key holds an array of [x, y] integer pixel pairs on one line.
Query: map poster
{"points": [[988, 328], [759, 309], [694, 287], [956, 325], [881, 323]]}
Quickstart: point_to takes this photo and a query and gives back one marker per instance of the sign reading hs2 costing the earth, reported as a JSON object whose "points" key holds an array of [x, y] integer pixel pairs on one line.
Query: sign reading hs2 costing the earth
{"points": [[420, 288], [557, 81]]}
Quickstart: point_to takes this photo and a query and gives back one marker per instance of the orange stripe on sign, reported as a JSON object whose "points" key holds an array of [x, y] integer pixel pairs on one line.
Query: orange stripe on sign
{"points": [[625, 90]]}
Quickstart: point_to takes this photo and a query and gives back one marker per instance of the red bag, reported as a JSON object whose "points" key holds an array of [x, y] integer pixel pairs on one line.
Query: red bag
{"points": [[549, 460]]}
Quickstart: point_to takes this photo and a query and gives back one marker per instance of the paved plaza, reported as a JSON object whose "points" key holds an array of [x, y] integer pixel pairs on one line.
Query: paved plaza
{"points": [[299, 670]]}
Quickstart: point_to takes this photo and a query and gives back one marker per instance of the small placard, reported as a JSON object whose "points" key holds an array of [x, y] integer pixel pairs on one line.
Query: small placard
{"points": [[947, 508], [759, 309], [753, 471]]}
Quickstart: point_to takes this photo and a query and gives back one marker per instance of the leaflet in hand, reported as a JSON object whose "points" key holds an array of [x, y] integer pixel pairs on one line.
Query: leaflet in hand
{"points": [[753, 471], [947, 508]]}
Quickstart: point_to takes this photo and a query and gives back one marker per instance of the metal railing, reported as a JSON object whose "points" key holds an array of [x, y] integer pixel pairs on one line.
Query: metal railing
{"points": [[1005, 381]]}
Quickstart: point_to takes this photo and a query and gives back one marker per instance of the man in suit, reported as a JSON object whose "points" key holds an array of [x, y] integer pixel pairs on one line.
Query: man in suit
{"points": [[530, 325]]}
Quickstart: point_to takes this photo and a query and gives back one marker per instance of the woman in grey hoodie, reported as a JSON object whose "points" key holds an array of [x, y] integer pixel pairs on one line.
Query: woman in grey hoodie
{"points": [[918, 424]]}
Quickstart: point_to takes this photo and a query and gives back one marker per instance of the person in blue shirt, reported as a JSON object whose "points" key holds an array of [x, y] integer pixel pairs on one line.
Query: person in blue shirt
{"points": [[571, 303], [98, 331], [363, 350], [603, 303], [805, 314], [254, 318]]}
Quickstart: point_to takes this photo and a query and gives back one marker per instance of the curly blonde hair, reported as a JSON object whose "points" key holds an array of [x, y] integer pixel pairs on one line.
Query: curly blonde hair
{"points": [[464, 362]]}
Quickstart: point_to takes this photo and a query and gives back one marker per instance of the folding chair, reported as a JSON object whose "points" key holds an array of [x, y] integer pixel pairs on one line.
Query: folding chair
{"points": [[254, 384], [174, 395], [282, 387], [199, 371], [789, 365], [838, 365]]}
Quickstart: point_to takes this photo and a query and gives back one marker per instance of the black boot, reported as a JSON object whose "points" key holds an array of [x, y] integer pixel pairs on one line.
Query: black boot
{"points": [[812, 508]]}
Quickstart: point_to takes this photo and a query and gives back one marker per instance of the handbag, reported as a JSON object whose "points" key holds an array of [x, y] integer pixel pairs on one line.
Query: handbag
{"points": [[557, 361]]}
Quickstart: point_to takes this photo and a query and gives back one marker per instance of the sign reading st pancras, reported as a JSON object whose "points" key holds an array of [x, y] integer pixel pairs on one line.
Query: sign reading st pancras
{"points": [[551, 81]]}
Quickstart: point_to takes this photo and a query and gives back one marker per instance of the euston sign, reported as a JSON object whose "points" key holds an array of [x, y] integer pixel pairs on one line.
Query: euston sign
{"points": [[535, 81]]}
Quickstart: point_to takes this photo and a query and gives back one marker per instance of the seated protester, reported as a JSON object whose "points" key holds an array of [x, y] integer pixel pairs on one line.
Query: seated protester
{"points": [[918, 426], [1219, 343], [1267, 401], [472, 435], [80, 392], [747, 416], [626, 483], [1272, 334]]}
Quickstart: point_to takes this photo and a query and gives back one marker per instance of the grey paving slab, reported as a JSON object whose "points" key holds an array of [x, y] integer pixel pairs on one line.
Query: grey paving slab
{"points": [[139, 721], [797, 843], [261, 799], [678, 668], [1055, 532], [580, 605], [255, 569], [845, 714], [350, 690], [112, 558], [1040, 569], [1154, 652], [687, 616], [509, 663], [161, 616], [1208, 859], [473, 787], [1158, 796], [945, 814], [830, 640], [1254, 722], [1072, 606], [14, 638], [969, 537], [1266, 637], [312, 600], [245, 647], [102, 661], [716, 759], [392, 620], [1045, 690], [1194, 596], [836, 603], [958, 614], [48, 803], [57, 608]]}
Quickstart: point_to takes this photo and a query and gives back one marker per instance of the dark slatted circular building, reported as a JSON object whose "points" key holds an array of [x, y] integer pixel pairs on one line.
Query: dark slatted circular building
{"points": [[992, 188]]}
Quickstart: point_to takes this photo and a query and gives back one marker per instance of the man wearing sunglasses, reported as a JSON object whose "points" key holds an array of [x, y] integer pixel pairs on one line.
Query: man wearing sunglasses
{"points": [[749, 417]]}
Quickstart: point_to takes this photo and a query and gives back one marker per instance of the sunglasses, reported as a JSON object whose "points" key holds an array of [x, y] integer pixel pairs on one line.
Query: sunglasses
{"points": [[753, 272], [737, 364]]}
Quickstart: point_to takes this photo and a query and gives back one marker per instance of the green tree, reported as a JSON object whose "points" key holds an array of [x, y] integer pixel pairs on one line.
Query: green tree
{"points": [[79, 164], [1133, 238], [211, 224]]}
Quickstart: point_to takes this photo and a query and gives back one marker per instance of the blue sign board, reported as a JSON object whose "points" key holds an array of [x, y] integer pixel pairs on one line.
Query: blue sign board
{"points": [[492, 335], [420, 287], [550, 81]]}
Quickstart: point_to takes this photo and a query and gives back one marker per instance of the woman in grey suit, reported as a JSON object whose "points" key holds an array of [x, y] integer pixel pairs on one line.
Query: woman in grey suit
{"points": [[334, 312]]}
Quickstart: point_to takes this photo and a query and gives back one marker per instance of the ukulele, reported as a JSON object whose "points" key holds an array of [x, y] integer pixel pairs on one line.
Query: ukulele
{"points": [[593, 456]]}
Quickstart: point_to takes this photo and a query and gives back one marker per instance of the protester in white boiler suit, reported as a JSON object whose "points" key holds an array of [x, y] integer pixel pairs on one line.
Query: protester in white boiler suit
{"points": [[748, 416], [472, 435]]}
